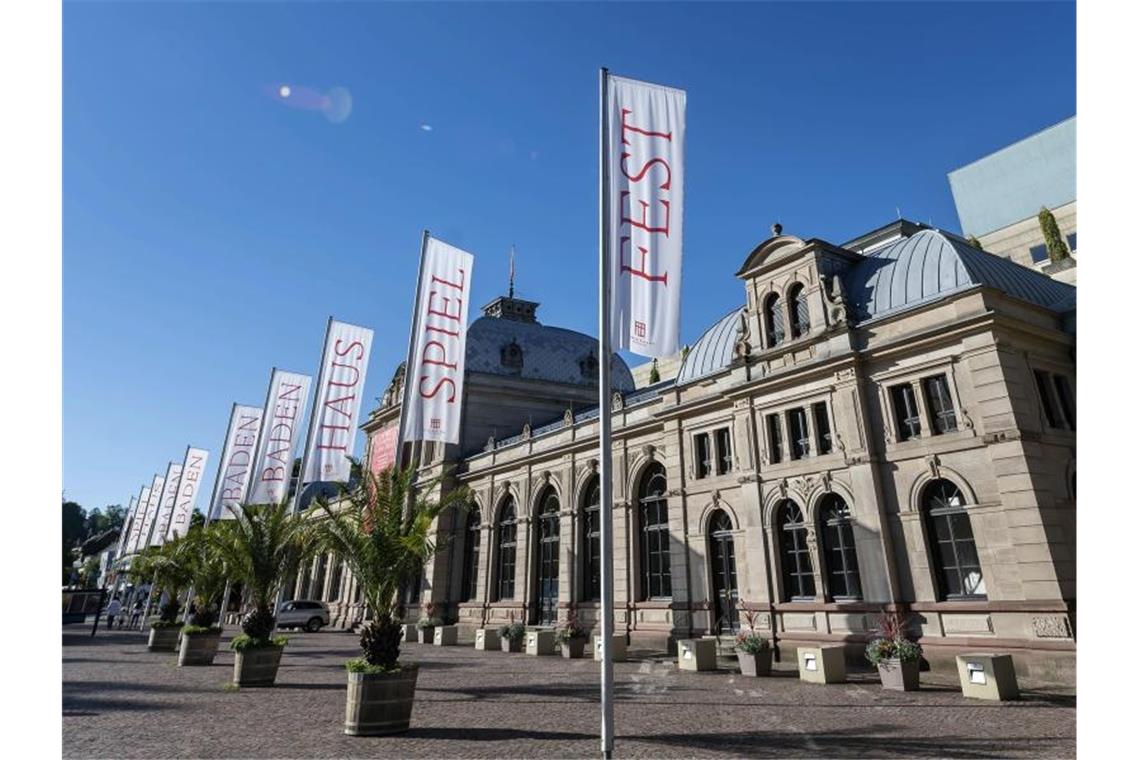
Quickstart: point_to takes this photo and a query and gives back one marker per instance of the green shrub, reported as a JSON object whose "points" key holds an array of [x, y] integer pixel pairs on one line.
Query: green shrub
{"points": [[164, 624], [242, 642], [191, 628], [751, 642], [1054, 244], [361, 665], [572, 630], [513, 631], [900, 649]]}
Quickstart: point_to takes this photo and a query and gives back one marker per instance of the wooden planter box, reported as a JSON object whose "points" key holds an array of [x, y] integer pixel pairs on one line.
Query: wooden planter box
{"points": [[898, 675], [618, 647], [754, 665], [486, 639], [573, 649], [427, 635], [409, 634], [199, 648], [257, 667], [511, 646], [380, 704], [822, 664], [163, 639], [696, 654], [446, 636], [540, 643], [988, 676]]}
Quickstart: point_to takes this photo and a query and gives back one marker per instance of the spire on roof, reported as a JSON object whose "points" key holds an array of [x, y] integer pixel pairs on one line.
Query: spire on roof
{"points": [[511, 275]]}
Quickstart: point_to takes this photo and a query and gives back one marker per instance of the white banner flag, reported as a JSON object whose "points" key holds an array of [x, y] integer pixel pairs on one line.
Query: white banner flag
{"points": [[149, 512], [645, 207], [236, 463], [128, 518], [193, 467], [336, 408], [280, 429], [136, 524], [433, 389], [166, 504]]}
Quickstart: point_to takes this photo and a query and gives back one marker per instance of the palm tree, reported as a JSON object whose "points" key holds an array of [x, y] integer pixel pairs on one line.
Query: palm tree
{"points": [[383, 529], [262, 547], [166, 567], [202, 552]]}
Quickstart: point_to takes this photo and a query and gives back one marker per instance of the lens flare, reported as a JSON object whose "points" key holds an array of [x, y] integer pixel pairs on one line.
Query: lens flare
{"points": [[335, 104], [284, 91]]}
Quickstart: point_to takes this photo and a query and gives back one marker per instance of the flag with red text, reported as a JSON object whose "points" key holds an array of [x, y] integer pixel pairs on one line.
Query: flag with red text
{"points": [[193, 468], [237, 461], [166, 504], [644, 203], [280, 431], [336, 408], [433, 387], [127, 522], [149, 513]]}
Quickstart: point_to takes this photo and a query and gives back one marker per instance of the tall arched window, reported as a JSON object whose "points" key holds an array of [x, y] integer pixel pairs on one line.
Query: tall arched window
{"points": [[798, 308], [955, 555], [773, 320], [839, 549], [546, 558], [722, 557], [471, 537], [653, 520], [507, 534], [591, 541], [795, 560]]}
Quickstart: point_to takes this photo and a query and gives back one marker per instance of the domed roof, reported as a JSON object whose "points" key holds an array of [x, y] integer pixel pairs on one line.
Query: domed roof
{"points": [[713, 350], [930, 265], [533, 351]]}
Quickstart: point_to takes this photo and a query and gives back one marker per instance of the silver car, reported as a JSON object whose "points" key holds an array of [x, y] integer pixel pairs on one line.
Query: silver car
{"points": [[302, 613]]}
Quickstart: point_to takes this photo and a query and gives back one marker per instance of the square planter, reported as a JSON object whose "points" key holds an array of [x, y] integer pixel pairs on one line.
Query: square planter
{"points": [[486, 639], [755, 665], [898, 675], [163, 639], [540, 643], [988, 676], [427, 635], [380, 704], [257, 667], [446, 636], [511, 646], [618, 647], [572, 649], [696, 654], [198, 648], [822, 664], [409, 634]]}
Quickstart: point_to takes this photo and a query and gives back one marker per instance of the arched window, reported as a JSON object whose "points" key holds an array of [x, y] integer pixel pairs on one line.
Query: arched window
{"points": [[546, 557], [471, 537], [798, 308], [722, 557], [507, 543], [773, 320], [334, 582], [954, 554], [799, 582], [653, 520], [839, 549], [591, 541]]}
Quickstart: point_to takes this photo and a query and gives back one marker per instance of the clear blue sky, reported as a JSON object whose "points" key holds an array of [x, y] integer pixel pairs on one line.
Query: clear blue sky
{"points": [[186, 181]]}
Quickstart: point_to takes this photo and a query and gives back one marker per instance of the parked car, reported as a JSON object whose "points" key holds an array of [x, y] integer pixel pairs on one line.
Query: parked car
{"points": [[301, 613]]}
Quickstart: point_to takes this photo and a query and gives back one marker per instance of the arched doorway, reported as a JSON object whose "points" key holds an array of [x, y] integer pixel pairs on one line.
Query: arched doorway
{"points": [[546, 589], [722, 552]]}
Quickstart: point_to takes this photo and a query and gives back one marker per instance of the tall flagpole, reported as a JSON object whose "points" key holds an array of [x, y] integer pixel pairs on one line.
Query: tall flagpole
{"points": [[605, 458], [313, 419], [400, 435]]}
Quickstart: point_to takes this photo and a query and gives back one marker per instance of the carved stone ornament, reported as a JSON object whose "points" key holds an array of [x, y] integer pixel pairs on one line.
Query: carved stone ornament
{"points": [[966, 421], [743, 347], [568, 417], [526, 432], [1052, 627], [395, 387], [825, 481], [782, 485], [749, 478], [490, 443], [836, 300], [932, 463], [648, 450], [617, 403]]}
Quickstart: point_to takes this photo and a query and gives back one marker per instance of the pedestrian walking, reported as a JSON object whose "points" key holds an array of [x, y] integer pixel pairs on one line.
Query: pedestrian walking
{"points": [[136, 613], [113, 609]]}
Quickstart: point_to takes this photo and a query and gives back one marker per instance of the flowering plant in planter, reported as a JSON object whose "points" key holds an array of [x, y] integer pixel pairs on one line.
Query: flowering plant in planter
{"points": [[753, 651], [751, 642], [572, 630], [512, 631], [896, 656], [430, 619]]}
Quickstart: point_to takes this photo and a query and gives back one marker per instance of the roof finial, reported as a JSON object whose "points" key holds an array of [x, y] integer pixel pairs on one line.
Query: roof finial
{"points": [[777, 228], [511, 275]]}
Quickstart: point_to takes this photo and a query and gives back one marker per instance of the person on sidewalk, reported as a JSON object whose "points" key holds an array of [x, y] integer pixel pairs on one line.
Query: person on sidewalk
{"points": [[113, 609]]}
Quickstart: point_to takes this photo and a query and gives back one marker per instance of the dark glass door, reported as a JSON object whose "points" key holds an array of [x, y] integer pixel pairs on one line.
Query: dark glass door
{"points": [[548, 562], [725, 594]]}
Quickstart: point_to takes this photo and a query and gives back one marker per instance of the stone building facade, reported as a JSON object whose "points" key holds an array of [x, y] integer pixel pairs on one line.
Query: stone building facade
{"points": [[891, 427]]}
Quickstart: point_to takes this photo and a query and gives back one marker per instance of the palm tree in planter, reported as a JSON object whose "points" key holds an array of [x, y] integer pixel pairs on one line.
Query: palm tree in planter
{"points": [[204, 556], [263, 546], [383, 528], [165, 567]]}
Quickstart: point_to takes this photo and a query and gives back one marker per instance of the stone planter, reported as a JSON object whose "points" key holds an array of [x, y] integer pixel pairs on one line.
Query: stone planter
{"points": [[380, 704], [257, 667], [822, 664], [446, 636], [427, 635], [486, 639], [572, 649], [696, 654], [618, 647], [988, 676], [199, 648], [409, 634], [511, 646], [755, 664], [540, 643], [163, 639], [898, 675]]}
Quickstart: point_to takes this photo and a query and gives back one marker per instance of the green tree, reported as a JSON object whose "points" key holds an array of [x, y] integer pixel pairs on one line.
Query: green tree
{"points": [[74, 531], [202, 552], [167, 567], [1054, 243]]}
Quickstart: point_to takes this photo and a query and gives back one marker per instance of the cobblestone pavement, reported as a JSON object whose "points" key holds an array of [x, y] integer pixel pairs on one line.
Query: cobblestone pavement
{"points": [[119, 700]]}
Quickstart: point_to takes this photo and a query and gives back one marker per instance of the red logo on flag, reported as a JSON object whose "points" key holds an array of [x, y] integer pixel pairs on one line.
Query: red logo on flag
{"points": [[639, 329]]}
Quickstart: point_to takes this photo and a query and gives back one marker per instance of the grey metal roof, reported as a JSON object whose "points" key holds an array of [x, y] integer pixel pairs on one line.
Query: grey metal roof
{"points": [[931, 265], [713, 350], [548, 353]]}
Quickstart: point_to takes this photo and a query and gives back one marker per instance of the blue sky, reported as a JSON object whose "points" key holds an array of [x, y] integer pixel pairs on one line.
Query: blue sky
{"points": [[187, 182]]}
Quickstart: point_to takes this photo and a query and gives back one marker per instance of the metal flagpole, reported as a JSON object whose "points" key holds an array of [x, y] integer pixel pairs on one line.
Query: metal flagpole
{"points": [[605, 460], [411, 350], [312, 419]]}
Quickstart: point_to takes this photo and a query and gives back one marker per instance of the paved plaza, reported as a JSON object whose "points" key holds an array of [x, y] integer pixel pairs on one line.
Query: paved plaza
{"points": [[119, 700]]}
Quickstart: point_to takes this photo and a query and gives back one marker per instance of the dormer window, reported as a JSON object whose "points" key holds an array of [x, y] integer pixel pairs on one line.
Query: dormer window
{"points": [[773, 321], [511, 356], [588, 366], [798, 307]]}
